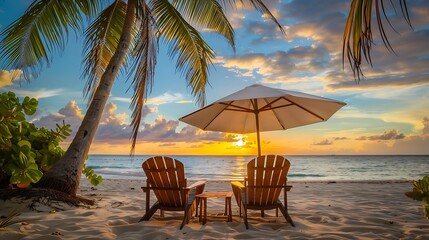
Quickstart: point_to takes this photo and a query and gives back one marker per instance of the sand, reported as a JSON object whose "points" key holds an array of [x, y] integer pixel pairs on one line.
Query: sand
{"points": [[320, 210]]}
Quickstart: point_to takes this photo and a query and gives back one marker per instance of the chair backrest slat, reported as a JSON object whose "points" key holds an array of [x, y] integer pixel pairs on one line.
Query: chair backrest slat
{"points": [[175, 180], [259, 174], [281, 166], [267, 180], [263, 172], [166, 172]]}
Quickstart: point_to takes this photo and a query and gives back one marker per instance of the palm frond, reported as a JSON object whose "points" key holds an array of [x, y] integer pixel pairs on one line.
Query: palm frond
{"points": [[89, 7], [262, 8], [259, 5], [101, 41], [145, 51], [29, 41], [357, 37], [193, 54], [208, 14]]}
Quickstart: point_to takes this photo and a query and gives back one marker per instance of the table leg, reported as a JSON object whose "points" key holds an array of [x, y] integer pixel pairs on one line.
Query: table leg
{"points": [[205, 211], [226, 206], [201, 209], [230, 210], [196, 207]]}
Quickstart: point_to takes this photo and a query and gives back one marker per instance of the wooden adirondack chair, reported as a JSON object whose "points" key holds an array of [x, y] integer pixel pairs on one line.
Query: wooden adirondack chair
{"points": [[266, 177], [166, 178]]}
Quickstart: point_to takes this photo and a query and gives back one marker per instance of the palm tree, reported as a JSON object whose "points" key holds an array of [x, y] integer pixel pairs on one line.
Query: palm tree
{"points": [[123, 33], [129, 32]]}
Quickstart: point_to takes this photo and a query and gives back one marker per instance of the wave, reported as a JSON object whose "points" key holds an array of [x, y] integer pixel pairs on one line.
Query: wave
{"points": [[303, 167], [305, 175], [111, 167]]}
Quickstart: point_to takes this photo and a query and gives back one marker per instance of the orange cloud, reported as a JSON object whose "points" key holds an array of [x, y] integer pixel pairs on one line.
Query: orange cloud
{"points": [[7, 77], [388, 135]]}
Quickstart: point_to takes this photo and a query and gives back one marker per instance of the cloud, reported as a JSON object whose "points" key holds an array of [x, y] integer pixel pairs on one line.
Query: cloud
{"points": [[168, 98], [425, 122], [40, 93], [237, 15], [388, 135], [70, 114], [7, 77], [327, 142], [163, 130], [167, 145], [323, 143], [121, 99], [340, 138], [266, 32], [161, 99], [317, 31], [280, 66], [408, 68], [113, 126], [409, 145]]}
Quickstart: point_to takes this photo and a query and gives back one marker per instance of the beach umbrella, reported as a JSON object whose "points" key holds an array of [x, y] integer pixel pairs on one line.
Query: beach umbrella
{"points": [[258, 108]]}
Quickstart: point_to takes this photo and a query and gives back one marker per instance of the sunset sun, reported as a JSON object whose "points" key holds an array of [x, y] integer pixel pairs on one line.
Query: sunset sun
{"points": [[240, 142]]}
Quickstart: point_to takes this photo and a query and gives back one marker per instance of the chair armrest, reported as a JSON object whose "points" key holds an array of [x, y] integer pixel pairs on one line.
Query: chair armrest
{"points": [[237, 184], [239, 191], [197, 184], [288, 187], [145, 189]]}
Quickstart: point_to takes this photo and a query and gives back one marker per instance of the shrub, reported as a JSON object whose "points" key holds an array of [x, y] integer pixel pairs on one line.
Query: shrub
{"points": [[27, 151], [421, 193]]}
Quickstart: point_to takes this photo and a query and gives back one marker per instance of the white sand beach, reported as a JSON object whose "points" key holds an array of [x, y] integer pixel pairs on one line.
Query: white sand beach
{"points": [[320, 210]]}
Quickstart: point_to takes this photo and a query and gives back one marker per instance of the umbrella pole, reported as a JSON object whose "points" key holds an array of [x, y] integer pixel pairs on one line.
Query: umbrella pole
{"points": [[259, 144], [257, 126]]}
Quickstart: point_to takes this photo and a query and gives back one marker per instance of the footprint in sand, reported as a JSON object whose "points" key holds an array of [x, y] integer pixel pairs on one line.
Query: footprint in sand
{"points": [[57, 234], [117, 204]]}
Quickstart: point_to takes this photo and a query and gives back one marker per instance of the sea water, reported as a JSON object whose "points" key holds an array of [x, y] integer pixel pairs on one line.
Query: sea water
{"points": [[303, 168]]}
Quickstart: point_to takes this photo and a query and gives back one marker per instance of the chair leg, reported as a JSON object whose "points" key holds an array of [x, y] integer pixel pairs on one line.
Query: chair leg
{"points": [[285, 213], [150, 212], [189, 214], [197, 203], [245, 217], [186, 217], [239, 207], [185, 220]]}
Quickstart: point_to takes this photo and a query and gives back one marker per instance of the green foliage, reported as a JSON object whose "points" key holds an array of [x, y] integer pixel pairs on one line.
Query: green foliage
{"points": [[421, 193], [91, 176], [27, 151]]}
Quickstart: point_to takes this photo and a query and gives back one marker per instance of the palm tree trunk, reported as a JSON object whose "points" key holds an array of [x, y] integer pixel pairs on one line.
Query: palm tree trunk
{"points": [[65, 175]]}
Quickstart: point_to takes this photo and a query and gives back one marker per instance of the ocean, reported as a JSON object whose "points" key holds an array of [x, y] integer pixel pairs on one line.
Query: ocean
{"points": [[303, 168]]}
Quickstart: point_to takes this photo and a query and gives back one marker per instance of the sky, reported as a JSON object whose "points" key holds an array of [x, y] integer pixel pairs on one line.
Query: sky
{"points": [[386, 113]]}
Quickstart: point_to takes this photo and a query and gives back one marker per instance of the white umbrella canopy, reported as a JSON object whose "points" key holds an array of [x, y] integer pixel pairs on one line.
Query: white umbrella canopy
{"points": [[258, 108]]}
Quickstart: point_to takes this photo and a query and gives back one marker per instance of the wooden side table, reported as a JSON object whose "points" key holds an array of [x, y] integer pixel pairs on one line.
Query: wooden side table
{"points": [[202, 200]]}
